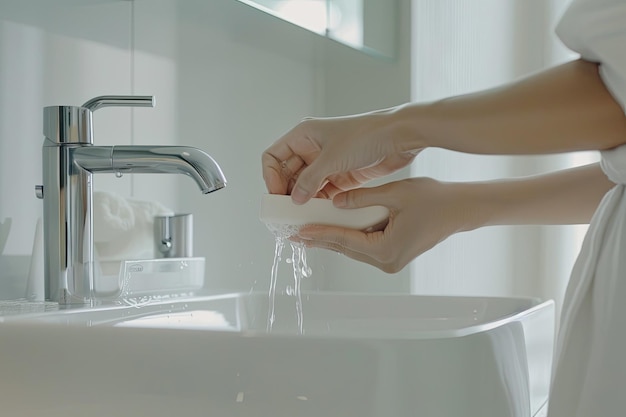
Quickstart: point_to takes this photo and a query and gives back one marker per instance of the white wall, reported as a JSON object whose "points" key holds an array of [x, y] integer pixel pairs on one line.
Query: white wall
{"points": [[460, 47], [228, 79]]}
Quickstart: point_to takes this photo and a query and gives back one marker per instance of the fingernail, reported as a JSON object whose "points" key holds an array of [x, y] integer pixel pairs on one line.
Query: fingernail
{"points": [[303, 236], [340, 200], [305, 233], [299, 195]]}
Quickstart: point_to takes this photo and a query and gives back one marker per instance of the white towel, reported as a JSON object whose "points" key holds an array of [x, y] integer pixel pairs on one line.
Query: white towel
{"points": [[590, 374], [124, 228]]}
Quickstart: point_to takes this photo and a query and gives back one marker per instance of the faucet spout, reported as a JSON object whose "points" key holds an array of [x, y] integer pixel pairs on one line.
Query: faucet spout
{"points": [[186, 160]]}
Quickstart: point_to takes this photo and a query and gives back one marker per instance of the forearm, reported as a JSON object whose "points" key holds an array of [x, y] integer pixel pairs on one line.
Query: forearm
{"points": [[564, 197], [566, 108]]}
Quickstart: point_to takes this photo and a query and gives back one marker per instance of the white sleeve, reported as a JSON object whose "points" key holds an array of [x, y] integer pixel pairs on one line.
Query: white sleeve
{"points": [[596, 29]]}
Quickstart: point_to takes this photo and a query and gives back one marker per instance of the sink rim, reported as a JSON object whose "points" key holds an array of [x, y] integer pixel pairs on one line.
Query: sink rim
{"points": [[127, 313]]}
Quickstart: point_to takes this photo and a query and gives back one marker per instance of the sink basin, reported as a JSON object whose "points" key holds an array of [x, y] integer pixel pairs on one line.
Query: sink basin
{"points": [[359, 355]]}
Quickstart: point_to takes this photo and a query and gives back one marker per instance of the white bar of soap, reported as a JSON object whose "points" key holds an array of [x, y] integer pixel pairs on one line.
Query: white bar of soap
{"points": [[279, 209]]}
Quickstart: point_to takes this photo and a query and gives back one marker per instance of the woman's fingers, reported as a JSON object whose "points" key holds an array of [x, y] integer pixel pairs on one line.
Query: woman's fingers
{"points": [[336, 237], [368, 247], [367, 197], [279, 174], [274, 183], [357, 256]]}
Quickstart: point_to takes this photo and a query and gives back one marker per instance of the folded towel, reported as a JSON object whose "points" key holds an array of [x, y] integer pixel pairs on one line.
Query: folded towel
{"points": [[124, 228]]}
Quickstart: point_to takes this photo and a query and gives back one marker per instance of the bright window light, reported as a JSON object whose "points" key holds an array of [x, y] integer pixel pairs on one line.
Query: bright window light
{"points": [[310, 14]]}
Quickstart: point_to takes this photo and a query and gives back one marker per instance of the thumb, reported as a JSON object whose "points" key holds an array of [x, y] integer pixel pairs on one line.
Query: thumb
{"points": [[310, 181], [363, 197]]}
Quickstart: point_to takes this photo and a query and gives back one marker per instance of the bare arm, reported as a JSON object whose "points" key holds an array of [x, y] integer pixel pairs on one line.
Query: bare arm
{"points": [[565, 197], [566, 108]]}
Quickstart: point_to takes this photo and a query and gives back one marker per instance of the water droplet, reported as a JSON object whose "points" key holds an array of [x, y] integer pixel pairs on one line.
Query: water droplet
{"points": [[118, 174]]}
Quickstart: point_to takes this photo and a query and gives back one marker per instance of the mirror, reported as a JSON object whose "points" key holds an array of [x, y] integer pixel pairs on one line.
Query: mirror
{"points": [[366, 25]]}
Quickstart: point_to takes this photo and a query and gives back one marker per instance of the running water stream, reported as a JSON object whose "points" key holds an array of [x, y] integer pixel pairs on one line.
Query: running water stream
{"points": [[300, 270]]}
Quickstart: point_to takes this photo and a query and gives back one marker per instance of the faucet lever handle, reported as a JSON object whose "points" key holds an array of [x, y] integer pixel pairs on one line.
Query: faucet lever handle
{"points": [[70, 124], [119, 101]]}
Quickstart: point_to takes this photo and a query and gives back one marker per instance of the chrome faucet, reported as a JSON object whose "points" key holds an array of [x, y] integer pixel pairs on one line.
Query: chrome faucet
{"points": [[69, 160]]}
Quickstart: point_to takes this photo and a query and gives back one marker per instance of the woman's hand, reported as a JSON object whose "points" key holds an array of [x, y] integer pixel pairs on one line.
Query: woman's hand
{"points": [[422, 213], [326, 156]]}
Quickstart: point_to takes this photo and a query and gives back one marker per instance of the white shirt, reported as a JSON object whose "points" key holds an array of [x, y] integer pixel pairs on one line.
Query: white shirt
{"points": [[590, 369]]}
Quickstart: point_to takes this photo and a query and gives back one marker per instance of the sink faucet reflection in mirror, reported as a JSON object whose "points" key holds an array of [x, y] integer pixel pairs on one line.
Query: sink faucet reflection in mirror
{"points": [[69, 160]]}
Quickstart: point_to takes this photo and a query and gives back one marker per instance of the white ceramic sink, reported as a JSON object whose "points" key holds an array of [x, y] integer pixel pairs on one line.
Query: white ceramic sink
{"points": [[360, 355]]}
